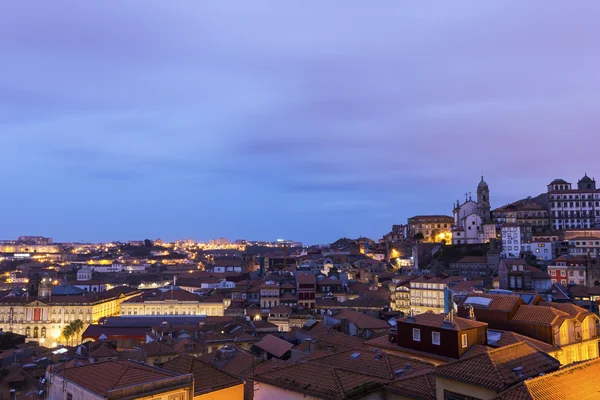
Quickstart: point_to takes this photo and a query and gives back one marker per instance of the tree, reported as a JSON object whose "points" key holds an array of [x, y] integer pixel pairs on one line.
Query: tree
{"points": [[67, 333], [418, 237], [76, 326], [148, 243]]}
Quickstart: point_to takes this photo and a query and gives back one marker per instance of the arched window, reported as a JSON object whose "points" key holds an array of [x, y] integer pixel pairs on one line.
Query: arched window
{"points": [[35, 332], [28, 332], [44, 332]]}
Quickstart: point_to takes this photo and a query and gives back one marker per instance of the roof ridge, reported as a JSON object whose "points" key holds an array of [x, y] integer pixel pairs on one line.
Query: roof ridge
{"points": [[337, 380], [563, 370]]}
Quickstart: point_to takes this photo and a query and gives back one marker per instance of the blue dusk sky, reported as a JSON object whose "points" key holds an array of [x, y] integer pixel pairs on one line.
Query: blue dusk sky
{"points": [[307, 120]]}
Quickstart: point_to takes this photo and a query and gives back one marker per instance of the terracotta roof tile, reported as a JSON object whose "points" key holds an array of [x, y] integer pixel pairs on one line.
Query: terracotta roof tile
{"points": [[207, 378], [102, 377], [273, 345], [421, 387], [500, 302], [541, 315], [577, 382], [496, 369]]}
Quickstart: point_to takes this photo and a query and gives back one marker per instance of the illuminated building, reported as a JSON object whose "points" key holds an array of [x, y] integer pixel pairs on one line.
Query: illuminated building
{"points": [[434, 228], [473, 219], [43, 317], [173, 301]]}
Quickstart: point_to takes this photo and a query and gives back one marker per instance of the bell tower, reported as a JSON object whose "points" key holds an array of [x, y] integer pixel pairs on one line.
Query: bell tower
{"points": [[483, 201]]}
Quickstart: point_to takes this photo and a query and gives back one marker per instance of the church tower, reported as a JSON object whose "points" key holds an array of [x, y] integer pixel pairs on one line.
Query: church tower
{"points": [[45, 288], [483, 201]]}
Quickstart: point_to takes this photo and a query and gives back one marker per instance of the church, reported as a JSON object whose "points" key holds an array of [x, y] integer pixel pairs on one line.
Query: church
{"points": [[473, 219]]}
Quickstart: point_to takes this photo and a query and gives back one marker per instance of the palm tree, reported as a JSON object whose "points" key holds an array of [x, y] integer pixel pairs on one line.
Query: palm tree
{"points": [[67, 332], [77, 326]]}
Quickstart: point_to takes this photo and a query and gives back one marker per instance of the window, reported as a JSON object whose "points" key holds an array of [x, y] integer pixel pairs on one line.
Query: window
{"points": [[435, 338], [464, 340], [553, 273], [69, 396], [416, 334]]}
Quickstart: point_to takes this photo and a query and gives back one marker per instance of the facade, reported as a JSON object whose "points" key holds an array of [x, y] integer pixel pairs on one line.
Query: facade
{"points": [[429, 294], [435, 228], [526, 211], [515, 274], [307, 289], [174, 301], [269, 296], [43, 317], [574, 208], [514, 238], [544, 251], [570, 270], [584, 246], [471, 217]]}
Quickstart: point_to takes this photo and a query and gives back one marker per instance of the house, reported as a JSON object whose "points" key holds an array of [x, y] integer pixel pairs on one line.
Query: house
{"points": [[350, 374], [440, 334], [514, 238], [577, 382], [516, 274], [306, 288], [269, 295], [569, 329], [117, 380], [271, 346], [570, 270], [473, 267], [429, 293], [486, 375], [210, 383], [355, 323]]}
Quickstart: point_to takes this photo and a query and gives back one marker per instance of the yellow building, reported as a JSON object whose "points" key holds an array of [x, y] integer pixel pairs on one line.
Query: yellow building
{"points": [[172, 302], [43, 317]]}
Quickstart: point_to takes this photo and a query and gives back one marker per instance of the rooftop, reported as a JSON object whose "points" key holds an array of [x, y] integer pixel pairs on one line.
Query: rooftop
{"points": [[438, 321], [207, 378], [500, 368]]}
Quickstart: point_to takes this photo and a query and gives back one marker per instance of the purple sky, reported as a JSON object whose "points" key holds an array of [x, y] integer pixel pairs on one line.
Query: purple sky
{"points": [[267, 119]]}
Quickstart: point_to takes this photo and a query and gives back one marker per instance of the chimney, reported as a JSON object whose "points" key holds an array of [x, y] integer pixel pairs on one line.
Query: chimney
{"points": [[471, 312], [312, 346], [399, 373], [329, 348]]}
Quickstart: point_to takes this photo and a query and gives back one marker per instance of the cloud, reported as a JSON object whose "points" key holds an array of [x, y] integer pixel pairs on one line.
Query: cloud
{"points": [[258, 108]]}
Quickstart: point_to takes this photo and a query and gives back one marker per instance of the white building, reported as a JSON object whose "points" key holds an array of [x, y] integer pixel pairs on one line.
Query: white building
{"points": [[543, 251], [574, 208], [472, 219], [514, 238]]}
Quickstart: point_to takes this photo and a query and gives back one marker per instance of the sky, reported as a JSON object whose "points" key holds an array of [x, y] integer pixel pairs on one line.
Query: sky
{"points": [[307, 121]]}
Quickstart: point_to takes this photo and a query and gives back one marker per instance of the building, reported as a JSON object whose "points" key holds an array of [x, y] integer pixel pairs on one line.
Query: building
{"points": [[210, 383], [574, 208], [434, 228], [429, 293], [544, 251], [269, 295], [486, 375], [570, 270], [471, 216], [117, 380], [439, 334], [569, 330], [580, 381], [474, 267], [515, 274], [527, 211], [306, 289], [514, 238], [43, 317], [174, 301], [584, 246], [351, 374], [354, 323]]}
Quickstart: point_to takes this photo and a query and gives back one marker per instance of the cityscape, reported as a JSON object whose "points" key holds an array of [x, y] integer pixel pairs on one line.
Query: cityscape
{"points": [[481, 303], [267, 200]]}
